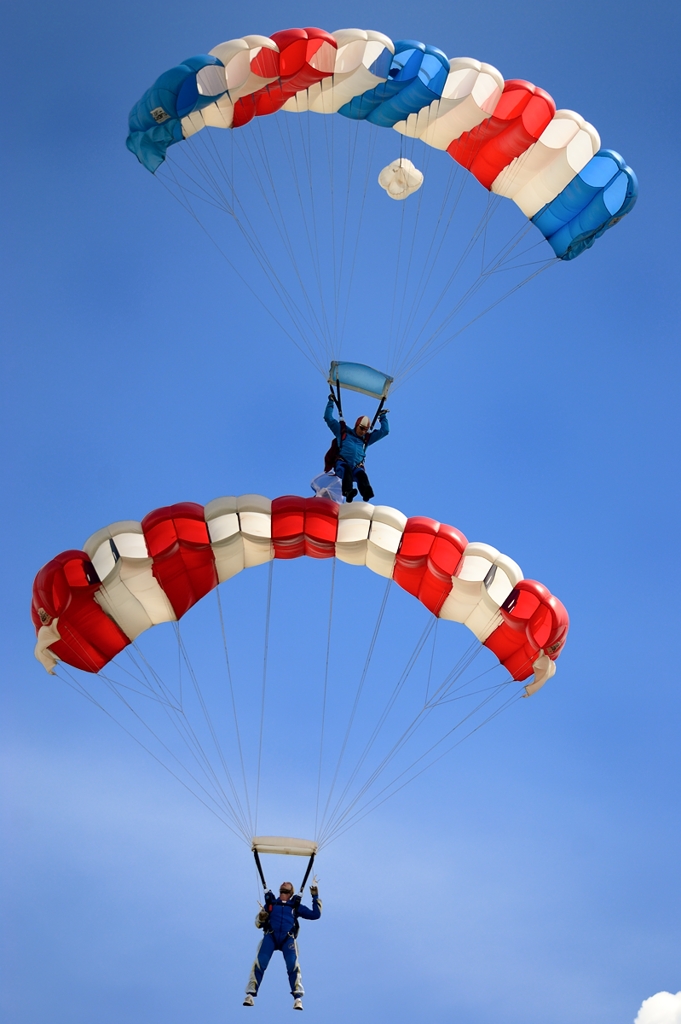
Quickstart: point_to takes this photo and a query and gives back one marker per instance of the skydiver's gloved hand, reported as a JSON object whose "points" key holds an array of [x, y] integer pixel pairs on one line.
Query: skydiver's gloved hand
{"points": [[314, 891], [382, 413], [262, 918]]}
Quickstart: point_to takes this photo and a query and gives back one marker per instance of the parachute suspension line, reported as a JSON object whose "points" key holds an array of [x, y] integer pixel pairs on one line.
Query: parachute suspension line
{"points": [[358, 694], [279, 220], [220, 200], [308, 153], [408, 733], [80, 689], [484, 232], [193, 744], [310, 236], [111, 685], [360, 220], [284, 233], [418, 355], [326, 684], [494, 266], [372, 805], [234, 714], [442, 228], [430, 665], [190, 740], [179, 673], [450, 281], [148, 692], [305, 349], [329, 122], [187, 733], [407, 273], [480, 233], [403, 211], [352, 128], [406, 672], [211, 729], [423, 358], [264, 686], [461, 666]]}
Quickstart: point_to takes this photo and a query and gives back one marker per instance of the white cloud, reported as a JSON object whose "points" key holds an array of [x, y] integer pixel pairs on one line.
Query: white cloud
{"points": [[662, 1008]]}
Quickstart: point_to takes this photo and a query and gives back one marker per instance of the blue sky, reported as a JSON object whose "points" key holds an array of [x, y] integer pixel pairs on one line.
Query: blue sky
{"points": [[532, 875]]}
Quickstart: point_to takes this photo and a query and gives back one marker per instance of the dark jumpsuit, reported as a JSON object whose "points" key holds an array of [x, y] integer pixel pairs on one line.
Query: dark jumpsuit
{"points": [[280, 933]]}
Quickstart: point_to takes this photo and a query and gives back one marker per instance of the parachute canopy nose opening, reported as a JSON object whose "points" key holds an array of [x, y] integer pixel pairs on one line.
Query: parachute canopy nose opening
{"points": [[400, 178], [358, 377], [284, 845]]}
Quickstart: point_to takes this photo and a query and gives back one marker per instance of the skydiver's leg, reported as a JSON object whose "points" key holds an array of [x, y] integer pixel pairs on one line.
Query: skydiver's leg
{"points": [[290, 951], [346, 472], [262, 958], [365, 488]]}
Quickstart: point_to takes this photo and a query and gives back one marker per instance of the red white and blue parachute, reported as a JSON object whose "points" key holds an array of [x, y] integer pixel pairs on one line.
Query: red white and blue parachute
{"points": [[507, 133]]}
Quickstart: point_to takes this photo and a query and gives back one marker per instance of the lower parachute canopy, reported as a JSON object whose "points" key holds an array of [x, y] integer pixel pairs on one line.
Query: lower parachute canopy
{"points": [[89, 605], [386, 706]]}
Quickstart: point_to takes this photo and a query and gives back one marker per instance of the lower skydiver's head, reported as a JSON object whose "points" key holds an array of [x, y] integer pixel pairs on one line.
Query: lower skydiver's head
{"points": [[362, 425], [285, 891]]}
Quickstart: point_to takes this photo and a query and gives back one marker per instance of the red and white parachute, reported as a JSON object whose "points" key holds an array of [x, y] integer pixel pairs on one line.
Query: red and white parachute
{"points": [[89, 605]]}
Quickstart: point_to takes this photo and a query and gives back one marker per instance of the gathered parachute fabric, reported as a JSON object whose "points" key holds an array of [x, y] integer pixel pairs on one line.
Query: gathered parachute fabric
{"points": [[89, 605], [400, 179], [508, 134]]}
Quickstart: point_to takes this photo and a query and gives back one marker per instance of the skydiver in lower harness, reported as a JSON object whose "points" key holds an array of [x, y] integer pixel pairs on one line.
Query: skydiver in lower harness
{"points": [[279, 921], [350, 448]]}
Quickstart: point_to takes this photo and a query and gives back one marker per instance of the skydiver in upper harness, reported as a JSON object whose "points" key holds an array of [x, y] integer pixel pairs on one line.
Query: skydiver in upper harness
{"points": [[279, 921], [346, 455]]}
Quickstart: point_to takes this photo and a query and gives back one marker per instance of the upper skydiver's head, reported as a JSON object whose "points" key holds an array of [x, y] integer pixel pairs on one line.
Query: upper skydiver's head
{"points": [[362, 425], [285, 891]]}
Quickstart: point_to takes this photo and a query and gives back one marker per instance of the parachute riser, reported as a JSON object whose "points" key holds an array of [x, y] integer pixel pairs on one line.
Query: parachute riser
{"points": [[307, 873], [260, 871], [377, 413], [338, 399]]}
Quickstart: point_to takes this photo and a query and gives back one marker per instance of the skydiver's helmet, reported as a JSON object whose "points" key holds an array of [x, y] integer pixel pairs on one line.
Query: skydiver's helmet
{"points": [[362, 425]]}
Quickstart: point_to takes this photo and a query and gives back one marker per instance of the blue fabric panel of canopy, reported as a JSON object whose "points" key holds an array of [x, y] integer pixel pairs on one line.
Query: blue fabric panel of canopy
{"points": [[154, 121], [596, 198], [416, 77], [358, 377]]}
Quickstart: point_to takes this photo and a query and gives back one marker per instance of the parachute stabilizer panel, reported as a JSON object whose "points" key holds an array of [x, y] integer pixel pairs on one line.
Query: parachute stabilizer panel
{"points": [[284, 845], [509, 135], [89, 605], [361, 378]]}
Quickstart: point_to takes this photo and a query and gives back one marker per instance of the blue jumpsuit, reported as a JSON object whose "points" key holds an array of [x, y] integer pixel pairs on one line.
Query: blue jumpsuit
{"points": [[352, 449], [280, 933]]}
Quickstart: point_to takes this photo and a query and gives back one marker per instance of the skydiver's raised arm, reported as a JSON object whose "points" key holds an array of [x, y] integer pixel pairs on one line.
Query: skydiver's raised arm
{"points": [[383, 431], [331, 421]]}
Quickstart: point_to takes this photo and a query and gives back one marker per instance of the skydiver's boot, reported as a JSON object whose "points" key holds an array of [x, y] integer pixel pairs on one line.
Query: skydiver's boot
{"points": [[248, 1001], [365, 488], [297, 1004]]}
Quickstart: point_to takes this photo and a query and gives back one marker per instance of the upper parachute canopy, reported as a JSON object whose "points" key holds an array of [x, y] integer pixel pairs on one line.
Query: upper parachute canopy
{"points": [[508, 134]]}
